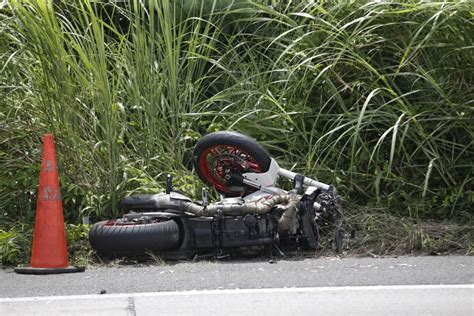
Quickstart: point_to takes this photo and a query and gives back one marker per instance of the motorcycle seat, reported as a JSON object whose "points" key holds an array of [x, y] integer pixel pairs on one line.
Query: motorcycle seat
{"points": [[138, 201]]}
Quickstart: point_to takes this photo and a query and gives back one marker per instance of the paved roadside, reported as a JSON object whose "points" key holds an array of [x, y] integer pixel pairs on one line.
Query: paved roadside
{"points": [[362, 300], [231, 275]]}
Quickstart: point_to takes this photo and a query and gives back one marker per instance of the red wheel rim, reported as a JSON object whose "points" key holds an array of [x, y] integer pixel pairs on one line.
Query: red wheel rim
{"points": [[216, 161]]}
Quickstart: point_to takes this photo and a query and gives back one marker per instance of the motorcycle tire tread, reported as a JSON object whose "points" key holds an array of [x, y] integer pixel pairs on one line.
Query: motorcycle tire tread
{"points": [[118, 239]]}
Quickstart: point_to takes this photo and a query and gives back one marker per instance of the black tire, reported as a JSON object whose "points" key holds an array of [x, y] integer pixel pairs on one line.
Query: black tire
{"points": [[109, 237], [258, 156]]}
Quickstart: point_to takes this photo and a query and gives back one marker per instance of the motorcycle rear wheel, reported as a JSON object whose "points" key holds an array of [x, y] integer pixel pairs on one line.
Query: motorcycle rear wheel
{"points": [[220, 154], [113, 237]]}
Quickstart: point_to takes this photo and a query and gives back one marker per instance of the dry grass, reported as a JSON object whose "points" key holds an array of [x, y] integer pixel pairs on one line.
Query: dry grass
{"points": [[377, 232]]}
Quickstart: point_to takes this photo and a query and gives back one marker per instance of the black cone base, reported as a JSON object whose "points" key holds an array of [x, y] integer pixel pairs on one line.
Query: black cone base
{"points": [[30, 270]]}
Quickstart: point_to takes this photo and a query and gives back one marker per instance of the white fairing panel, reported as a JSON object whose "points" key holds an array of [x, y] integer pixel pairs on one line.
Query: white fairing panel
{"points": [[267, 179]]}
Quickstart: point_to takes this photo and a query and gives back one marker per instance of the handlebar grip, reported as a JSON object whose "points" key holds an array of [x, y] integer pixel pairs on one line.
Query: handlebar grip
{"points": [[308, 181]]}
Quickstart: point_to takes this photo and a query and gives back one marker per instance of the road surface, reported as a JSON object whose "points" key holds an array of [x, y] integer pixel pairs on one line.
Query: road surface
{"points": [[367, 286]]}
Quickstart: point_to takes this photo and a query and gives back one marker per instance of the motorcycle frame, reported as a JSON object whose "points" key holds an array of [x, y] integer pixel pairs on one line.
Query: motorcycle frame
{"points": [[267, 179]]}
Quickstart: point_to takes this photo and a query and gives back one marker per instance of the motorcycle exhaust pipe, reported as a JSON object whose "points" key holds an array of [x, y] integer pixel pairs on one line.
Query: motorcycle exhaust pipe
{"points": [[261, 206]]}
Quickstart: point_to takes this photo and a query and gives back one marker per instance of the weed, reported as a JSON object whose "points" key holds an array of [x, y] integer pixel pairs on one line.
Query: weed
{"points": [[375, 97]]}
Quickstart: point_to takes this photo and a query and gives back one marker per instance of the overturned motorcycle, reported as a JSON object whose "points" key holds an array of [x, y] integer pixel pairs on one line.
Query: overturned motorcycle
{"points": [[252, 214]]}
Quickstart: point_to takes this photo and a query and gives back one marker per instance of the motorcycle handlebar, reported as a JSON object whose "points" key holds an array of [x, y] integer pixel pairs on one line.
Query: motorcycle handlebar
{"points": [[308, 181]]}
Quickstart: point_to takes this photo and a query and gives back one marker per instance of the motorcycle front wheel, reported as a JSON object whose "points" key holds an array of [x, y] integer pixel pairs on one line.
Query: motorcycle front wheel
{"points": [[115, 237], [218, 155]]}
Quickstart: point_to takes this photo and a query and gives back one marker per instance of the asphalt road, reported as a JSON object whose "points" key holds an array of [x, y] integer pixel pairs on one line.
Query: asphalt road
{"points": [[231, 275]]}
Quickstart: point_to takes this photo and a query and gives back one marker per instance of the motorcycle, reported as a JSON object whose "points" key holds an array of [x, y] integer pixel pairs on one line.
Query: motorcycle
{"points": [[253, 214]]}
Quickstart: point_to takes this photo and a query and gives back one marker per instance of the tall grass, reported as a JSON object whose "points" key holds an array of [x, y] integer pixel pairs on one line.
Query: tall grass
{"points": [[115, 95], [374, 97], [388, 98]]}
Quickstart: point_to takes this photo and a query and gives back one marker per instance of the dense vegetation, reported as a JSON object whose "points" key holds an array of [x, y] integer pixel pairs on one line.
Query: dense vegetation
{"points": [[376, 98]]}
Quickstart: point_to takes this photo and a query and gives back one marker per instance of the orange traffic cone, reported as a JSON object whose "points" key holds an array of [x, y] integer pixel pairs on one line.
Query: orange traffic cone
{"points": [[49, 253]]}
